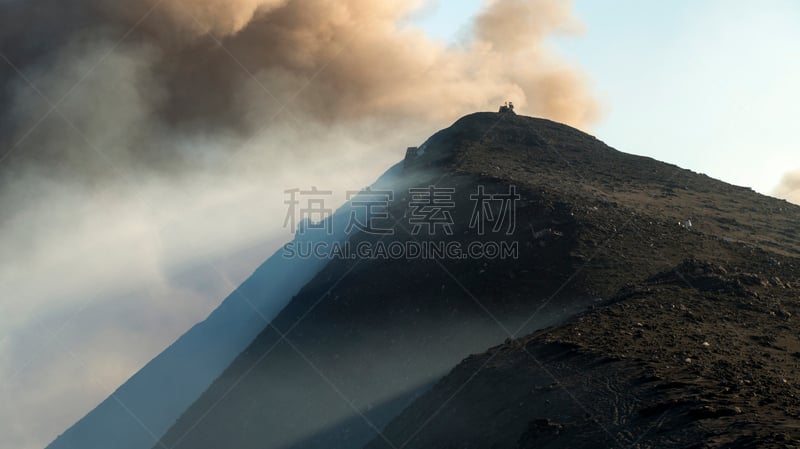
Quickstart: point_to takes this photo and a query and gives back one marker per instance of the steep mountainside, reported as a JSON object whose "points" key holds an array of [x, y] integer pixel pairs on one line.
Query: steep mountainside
{"points": [[601, 255], [146, 405]]}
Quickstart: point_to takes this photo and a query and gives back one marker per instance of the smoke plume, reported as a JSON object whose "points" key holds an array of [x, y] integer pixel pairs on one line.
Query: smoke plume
{"points": [[183, 66]]}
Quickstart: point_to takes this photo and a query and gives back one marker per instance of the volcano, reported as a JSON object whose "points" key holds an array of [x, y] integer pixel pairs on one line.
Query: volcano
{"points": [[641, 305], [616, 324]]}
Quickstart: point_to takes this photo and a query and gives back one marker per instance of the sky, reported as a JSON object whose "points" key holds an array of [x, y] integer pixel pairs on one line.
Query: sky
{"points": [[710, 86], [704, 85]]}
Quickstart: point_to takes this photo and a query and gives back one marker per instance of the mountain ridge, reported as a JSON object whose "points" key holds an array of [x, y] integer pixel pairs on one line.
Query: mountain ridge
{"points": [[677, 345], [592, 222]]}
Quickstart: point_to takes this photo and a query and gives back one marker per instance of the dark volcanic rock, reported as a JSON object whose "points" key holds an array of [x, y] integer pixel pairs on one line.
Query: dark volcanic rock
{"points": [[663, 355]]}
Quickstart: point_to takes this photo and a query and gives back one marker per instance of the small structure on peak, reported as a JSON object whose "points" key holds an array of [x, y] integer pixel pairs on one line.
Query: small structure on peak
{"points": [[507, 108], [413, 153]]}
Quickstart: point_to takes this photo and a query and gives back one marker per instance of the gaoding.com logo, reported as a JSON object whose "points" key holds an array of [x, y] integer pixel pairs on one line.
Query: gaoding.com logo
{"points": [[412, 250]]}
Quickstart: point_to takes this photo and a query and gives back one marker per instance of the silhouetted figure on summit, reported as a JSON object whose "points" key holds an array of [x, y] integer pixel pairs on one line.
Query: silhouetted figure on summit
{"points": [[507, 108]]}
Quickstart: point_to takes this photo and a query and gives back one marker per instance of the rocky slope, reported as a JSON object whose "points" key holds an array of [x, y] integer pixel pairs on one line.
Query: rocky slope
{"points": [[631, 298], [697, 347], [697, 356]]}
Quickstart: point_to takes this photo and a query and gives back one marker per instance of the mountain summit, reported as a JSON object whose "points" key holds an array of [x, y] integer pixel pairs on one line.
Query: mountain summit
{"points": [[646, 305], [625, 302]]}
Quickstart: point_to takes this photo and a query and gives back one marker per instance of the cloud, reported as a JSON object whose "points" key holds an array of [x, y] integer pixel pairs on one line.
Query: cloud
{"points": [[158, 176], [789, 187]]}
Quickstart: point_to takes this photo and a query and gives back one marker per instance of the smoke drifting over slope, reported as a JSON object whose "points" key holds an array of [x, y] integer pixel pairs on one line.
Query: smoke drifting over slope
{"points": [[789, 188], [140, 139]]}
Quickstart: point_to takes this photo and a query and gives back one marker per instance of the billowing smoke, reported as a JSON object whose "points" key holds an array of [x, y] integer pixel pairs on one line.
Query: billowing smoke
{"points": [[145, 147], [789, 188], [179, 66]]}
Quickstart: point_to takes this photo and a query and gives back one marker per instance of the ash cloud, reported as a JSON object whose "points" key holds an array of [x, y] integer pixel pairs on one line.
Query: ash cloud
{"points": [[177, 126], [234, 66]]}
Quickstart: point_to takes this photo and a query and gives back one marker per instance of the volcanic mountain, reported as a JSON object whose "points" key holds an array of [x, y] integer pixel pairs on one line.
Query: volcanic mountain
{"points": [[646, 306]]}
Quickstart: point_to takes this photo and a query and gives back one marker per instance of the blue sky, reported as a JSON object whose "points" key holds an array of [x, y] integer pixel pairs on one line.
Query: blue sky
{"points": [[711, 86]]}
